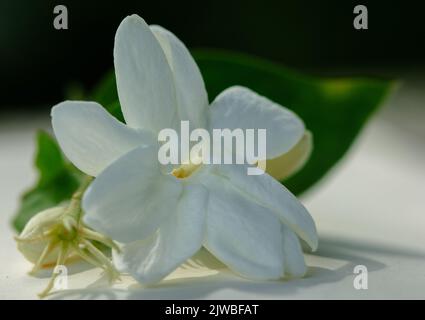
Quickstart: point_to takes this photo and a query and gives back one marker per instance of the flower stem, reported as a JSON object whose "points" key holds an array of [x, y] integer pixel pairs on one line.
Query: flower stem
{"points": [[74, 208]]}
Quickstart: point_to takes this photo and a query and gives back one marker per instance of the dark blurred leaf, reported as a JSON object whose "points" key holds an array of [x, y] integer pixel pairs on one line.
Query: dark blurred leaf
{"points": [[333, 109], [106, 94], [57, 180]]}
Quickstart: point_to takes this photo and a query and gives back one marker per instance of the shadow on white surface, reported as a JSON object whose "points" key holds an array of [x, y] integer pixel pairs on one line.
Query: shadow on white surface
{"points": [[336, 254]]}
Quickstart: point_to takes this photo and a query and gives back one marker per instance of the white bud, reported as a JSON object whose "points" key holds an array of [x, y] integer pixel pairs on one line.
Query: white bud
{"points": [[33, 239]]}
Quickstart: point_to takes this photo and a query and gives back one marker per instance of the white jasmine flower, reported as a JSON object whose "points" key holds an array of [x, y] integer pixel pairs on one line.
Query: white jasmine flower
{"points": [[251, 223]]}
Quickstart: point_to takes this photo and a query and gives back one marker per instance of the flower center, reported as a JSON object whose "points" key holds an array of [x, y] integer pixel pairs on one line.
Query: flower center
{"points": [[185, 170]]}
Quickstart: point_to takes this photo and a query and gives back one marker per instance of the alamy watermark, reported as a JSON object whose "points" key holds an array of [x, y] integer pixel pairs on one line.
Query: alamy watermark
{"points": [[61, 277], [361, 19], [360, 281], [226, 146], [60, 21]]}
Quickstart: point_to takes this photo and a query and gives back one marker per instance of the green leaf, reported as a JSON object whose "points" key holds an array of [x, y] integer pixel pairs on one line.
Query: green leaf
{"points": [[48, 160], [57, 180], [334, 110]]}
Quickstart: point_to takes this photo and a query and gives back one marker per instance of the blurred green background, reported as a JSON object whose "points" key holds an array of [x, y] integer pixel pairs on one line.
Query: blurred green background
{"points": [[37, 62]]}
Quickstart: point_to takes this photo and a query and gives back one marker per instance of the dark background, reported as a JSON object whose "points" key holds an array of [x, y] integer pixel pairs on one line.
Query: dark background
{"points": [[38, 63]]}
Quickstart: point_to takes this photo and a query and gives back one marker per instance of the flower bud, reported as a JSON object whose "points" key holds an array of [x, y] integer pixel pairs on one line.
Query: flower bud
{"points": [[37, 234], [55, 236]]}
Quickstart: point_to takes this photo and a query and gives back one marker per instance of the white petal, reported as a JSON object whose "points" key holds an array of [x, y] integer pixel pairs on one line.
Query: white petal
{"points": [[291, 162], [178, 239], [292, 254], [270, 193], [239, 107], [131, 198], [91, 138], [241, 233], [190, 88], [144, 78]]}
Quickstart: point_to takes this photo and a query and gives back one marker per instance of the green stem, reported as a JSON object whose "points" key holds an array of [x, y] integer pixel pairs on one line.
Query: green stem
{"points": [[74, 208]]}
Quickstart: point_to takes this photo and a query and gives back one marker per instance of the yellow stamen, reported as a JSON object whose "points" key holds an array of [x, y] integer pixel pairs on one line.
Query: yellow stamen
{"points": [[185, 170]]}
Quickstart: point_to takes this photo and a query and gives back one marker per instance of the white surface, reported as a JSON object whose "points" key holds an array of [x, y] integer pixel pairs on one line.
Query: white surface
{"points": [[369, 211]]}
